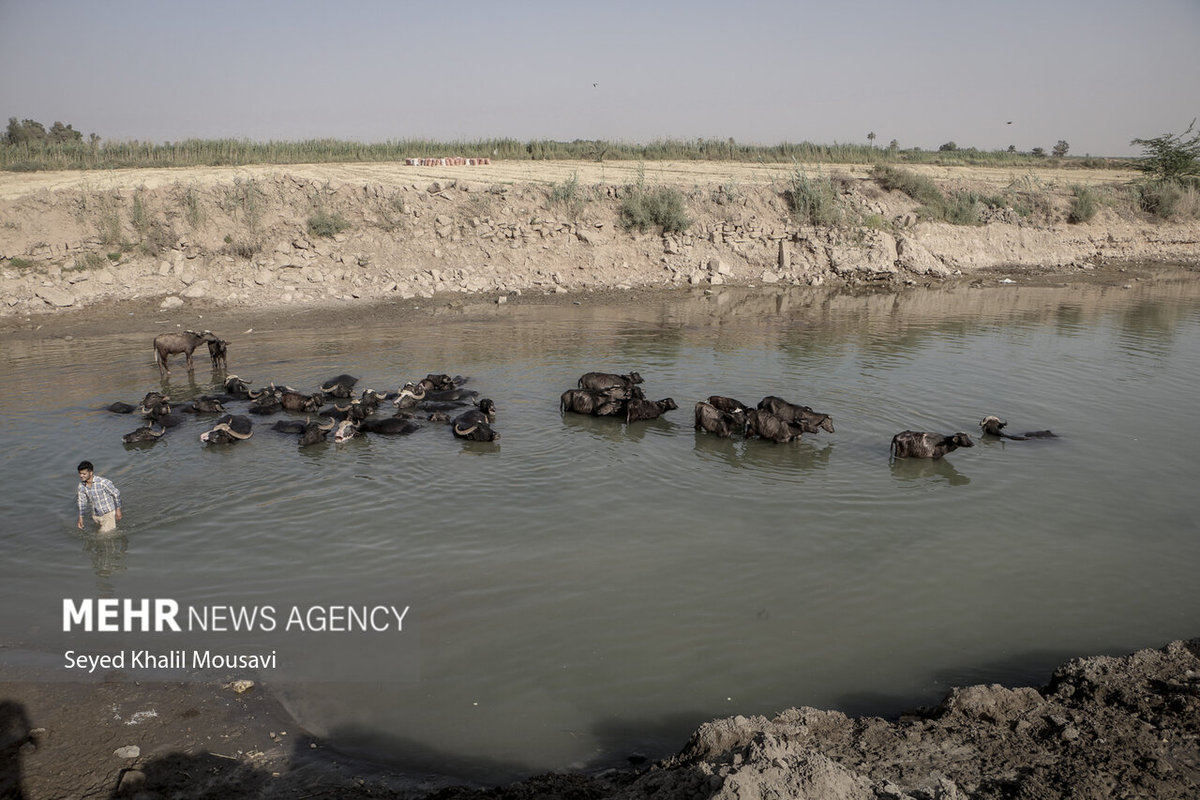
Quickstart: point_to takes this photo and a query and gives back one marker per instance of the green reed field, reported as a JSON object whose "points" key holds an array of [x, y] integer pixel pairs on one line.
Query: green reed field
{"points": [[80, 155]]}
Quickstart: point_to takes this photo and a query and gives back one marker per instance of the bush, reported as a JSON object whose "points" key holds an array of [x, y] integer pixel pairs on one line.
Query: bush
{"points": [[91, 261], [918, 187], [1170, 156], [241, 249], [663, 207], [1084, 206], [1177, 199], [814, 200], [963, 209], [326, 225]]}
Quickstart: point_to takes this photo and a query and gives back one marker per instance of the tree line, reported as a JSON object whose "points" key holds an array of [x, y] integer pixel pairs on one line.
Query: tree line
{"points": [[29, 131]]}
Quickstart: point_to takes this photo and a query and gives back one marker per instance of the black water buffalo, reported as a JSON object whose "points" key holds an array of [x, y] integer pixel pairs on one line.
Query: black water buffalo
{"points": [[166, 344], [601, 381], [476, 432], [647, 409], [266, 403], [585, 401], [728, 404], [441, 382], [812, 421], [388, 426], [147, 433], [411, 394], [713, 420], [236, 387], [121, 408], [993, 426], [314, 432], [917, 444], [765, 425], [485, 412], [154, 404], [204, 404], [355, 411], [346, 429], [229, 429], [474, 424], [310, 432], [291, 400], [218, 353], [341, 386]]}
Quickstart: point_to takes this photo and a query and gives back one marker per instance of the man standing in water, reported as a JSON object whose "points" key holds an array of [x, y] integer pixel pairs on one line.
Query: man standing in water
{"points": [[102, 494]]}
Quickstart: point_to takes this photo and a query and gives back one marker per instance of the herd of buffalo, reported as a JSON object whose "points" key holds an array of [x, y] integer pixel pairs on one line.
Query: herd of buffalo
{"points": [[442, 399]]}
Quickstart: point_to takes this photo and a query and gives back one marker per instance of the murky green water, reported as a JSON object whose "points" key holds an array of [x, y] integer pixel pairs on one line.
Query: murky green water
{"points": [[582, 589]]}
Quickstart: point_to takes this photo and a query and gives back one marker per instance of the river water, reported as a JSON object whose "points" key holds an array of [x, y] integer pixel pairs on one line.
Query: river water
{"points": [[582, 590]]}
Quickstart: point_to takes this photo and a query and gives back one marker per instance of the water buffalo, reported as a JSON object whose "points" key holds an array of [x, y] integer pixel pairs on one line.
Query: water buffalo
{"points": [[993, 426], [121, 408], [146, 433], [204, 404], [728, 404], [314, 432], [812, 421], [266, 403], [474, 424], [229, 429], [647, 409], [166, 344], [218, 352], [441, 382], [388, 426], [291, 400], [765, 425], [346, 430], [601, 381], [484, 413], [341, 386], [411, 394], [236, 387], [916, 444], [154, 404], [585, 401], [477, 432], [713, 420]]}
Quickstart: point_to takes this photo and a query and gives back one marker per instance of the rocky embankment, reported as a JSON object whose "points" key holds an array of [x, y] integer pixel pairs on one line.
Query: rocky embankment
{"points": [[1103, 727], [281, 239]]}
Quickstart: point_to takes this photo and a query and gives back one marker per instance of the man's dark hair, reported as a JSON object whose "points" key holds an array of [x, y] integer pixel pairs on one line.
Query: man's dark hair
{"points": [[85, 465]]}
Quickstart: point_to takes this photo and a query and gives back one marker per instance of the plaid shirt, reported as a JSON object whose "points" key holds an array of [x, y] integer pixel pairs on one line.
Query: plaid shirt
{"points": [[104, 495]]}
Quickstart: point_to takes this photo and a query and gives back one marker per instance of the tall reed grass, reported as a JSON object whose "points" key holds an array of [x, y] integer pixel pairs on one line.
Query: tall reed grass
{"points": [[34, 156]]}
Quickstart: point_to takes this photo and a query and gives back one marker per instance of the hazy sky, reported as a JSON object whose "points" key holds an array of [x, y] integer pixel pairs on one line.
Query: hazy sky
{"points": [[1096, 73]]}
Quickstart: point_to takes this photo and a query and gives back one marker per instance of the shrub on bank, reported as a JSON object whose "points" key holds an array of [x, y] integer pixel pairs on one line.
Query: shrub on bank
{"points": [[662, 207], [1171, 199], [918, 187], [1084, 205], [814, 201], [326, 225]]}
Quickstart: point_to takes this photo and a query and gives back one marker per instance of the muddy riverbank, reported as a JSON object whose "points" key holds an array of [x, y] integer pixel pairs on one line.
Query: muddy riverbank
{"points": [[1103, 726]]}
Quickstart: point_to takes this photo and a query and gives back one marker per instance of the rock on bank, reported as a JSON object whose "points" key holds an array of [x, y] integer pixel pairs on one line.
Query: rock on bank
{"points": [[280, 237]]}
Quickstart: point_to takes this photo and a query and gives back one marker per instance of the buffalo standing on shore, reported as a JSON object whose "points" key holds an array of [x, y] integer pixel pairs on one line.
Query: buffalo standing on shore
{"points": [[168, 344]]}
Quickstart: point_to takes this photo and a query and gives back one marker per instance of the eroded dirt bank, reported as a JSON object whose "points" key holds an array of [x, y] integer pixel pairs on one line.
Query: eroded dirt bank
{"points": [[1102, 727], [343, 236]]}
